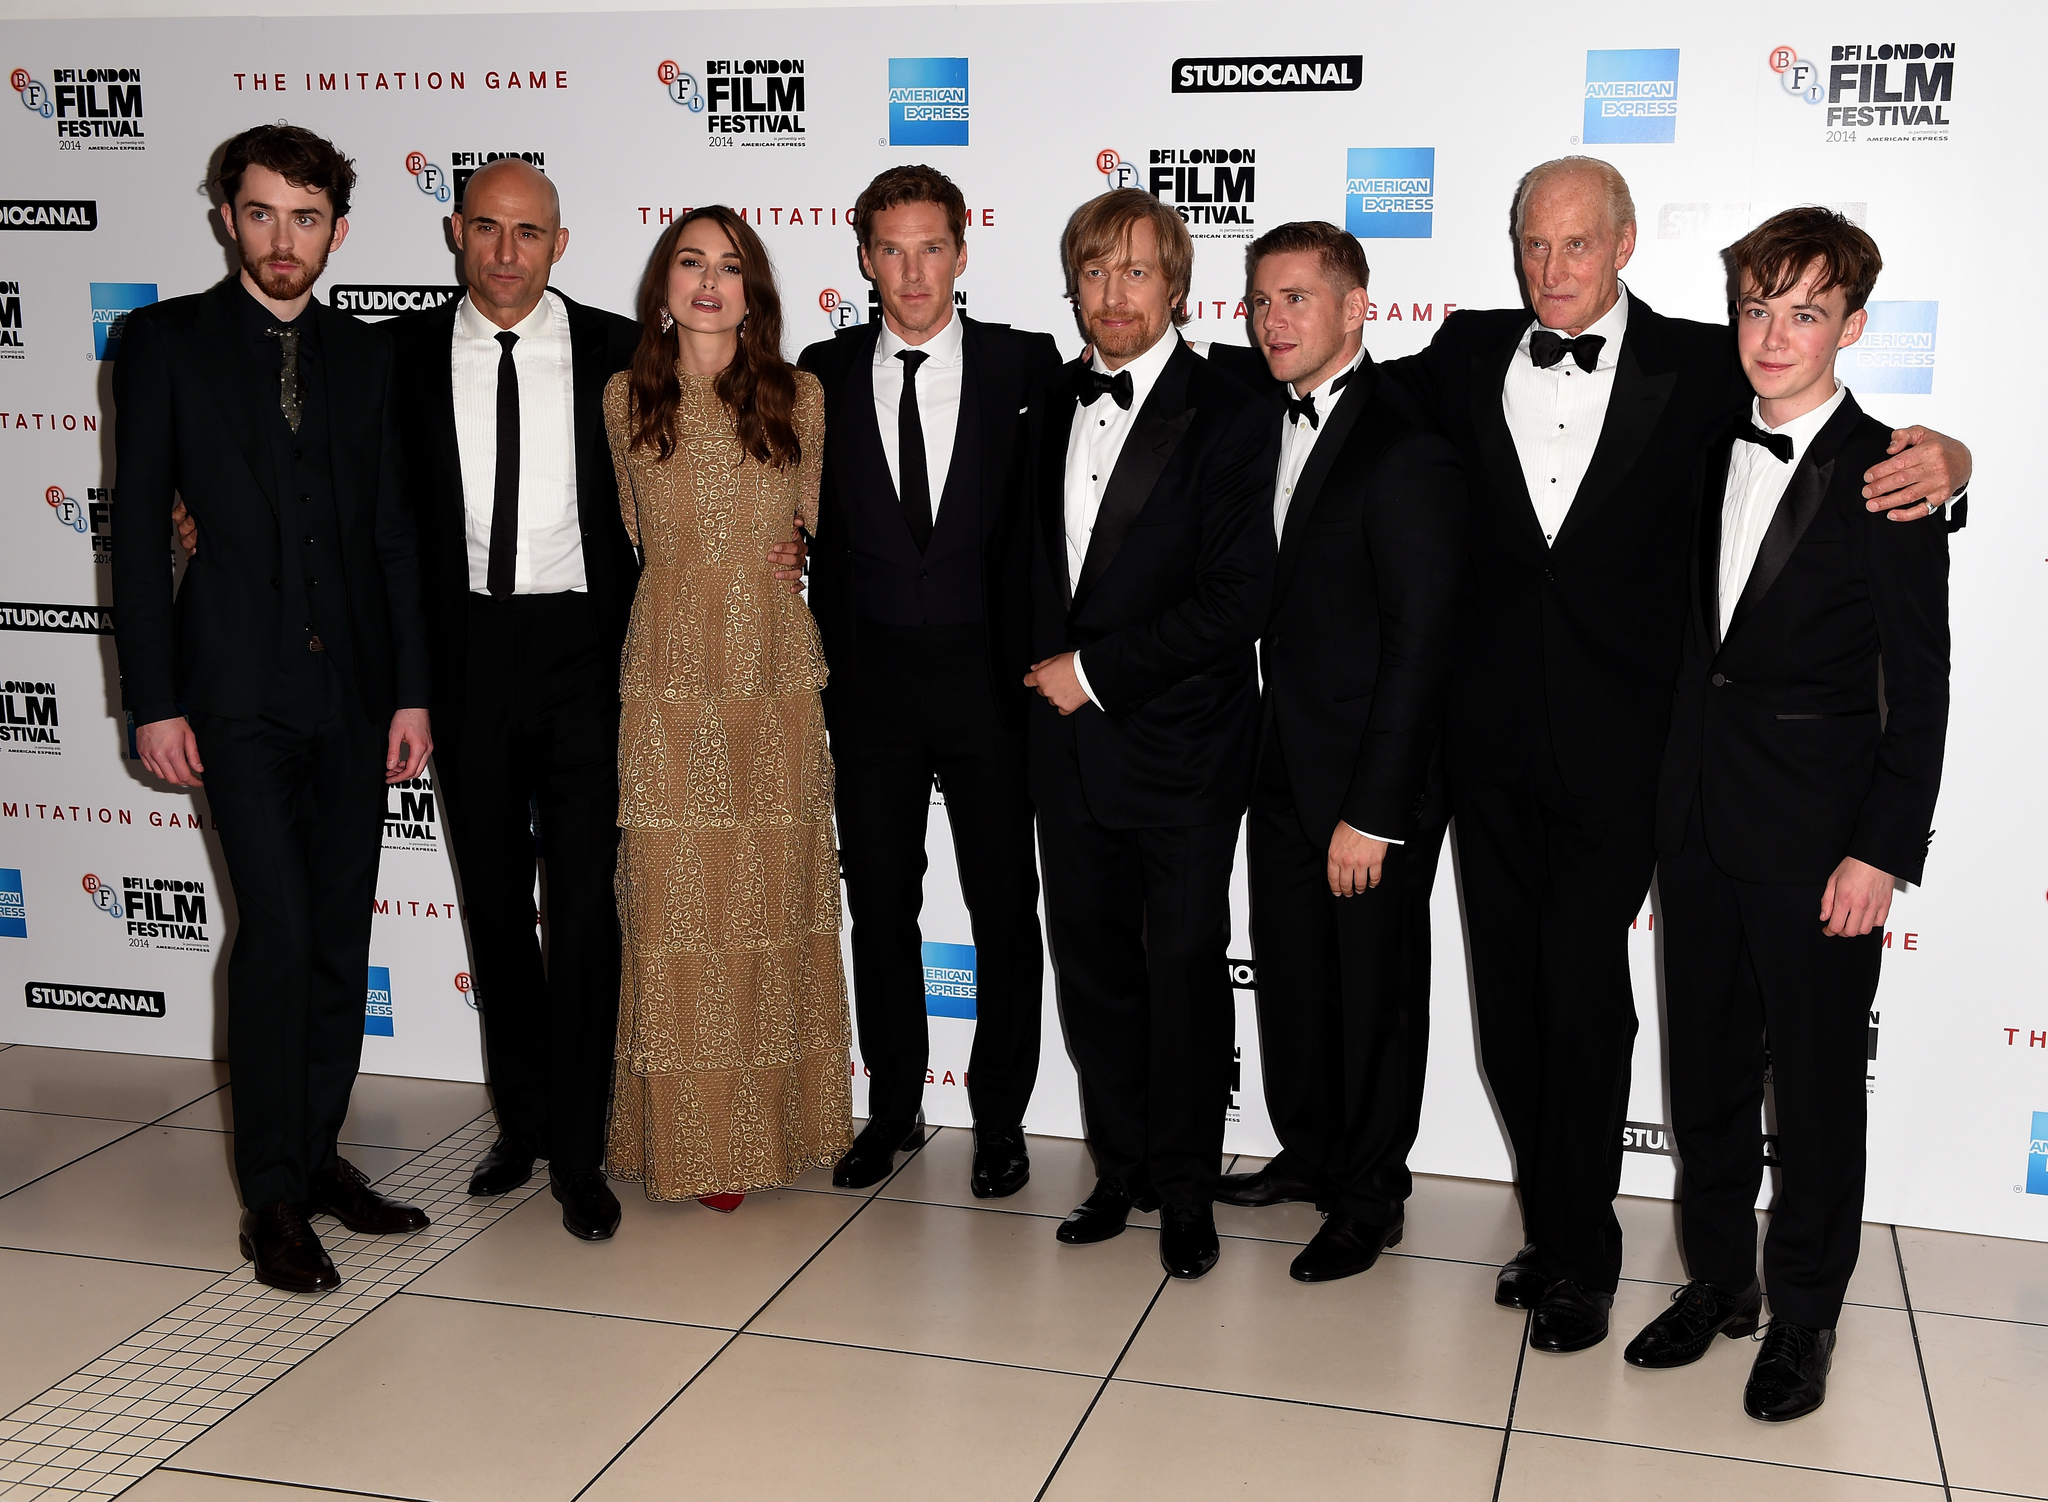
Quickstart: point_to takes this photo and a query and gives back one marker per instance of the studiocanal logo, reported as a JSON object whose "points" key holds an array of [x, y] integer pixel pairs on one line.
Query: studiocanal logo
{"points": [[1896, 352], [377, 1003], [12, 346], [13, 905], [1390, 192], [1212, 188], [28, 718], [949, 980], [928, 101], [94, 109], [1631, 96], [62, 620], [81, 215], [411, 817], [112, 302], [373, 304], [94, 518], [1268, 75], [759, 99], [1874, 91], [56, 996]]}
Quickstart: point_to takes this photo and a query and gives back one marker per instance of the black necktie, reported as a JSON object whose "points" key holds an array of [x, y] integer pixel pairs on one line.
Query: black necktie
{"points": [[1117, 387], [1779, 444], [1547, 347], [915, 491], [504, 565], [290, 395], [1306, 406]]}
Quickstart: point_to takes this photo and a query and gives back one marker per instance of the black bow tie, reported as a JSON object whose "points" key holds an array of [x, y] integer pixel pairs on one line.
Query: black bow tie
{"points": [[1779, 444], [1305, 407], [1547, 347], [1116, 387]]}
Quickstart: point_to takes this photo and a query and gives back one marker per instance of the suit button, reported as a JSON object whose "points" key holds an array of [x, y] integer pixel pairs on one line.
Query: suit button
{"points": [[273, 584], [1718, 679], [305, 500], [1550, 574], [313, 583]]}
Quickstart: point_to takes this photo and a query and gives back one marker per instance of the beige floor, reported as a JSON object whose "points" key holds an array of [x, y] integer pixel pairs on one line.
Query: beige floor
{"points": [[904, 1343]]}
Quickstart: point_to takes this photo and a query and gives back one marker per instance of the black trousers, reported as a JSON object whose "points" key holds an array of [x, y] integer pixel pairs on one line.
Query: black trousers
{"points": [[1140, 926], [925, 709], [298, 792], [1343, 1002], [540, 738], [1552, 882], [1751, 980]]}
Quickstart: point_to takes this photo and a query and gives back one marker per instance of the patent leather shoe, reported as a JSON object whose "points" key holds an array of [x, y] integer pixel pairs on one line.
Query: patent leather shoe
{"points": [[1103, 1214], [1699, 1311], [872, 1158], [504, 1168], [1275, 1184], [1187, 1240], [1522, 1280], [283, 1250], [1569, 1319], [1342, 1248], [590, 1211], [1002, 1166], [343, 1191], [1789, 1378]]}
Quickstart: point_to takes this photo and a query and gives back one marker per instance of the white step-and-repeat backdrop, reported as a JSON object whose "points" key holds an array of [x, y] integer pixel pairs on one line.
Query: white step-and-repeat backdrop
{"points": [[1410, 126]]}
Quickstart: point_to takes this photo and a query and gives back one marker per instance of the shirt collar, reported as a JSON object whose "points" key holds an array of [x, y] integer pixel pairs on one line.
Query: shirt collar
{"points": [[1145, 369], [1611, 326], [944, 347], [1806, 426], [1356, 360], [259, 319], [471, 323]]}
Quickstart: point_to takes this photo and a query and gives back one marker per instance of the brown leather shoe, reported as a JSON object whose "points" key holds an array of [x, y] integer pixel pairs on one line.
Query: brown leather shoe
{"points": [[279, 1241], [344, 1192]]}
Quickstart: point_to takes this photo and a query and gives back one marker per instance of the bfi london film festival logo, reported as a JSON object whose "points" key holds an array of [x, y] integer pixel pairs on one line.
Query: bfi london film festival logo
{"points": [[1337, 74], [841, 311], [12, 344], [1390, 192], [13, 905], [1212, 188], [112, 302], [1631, 96], [1902, 89], [412, 816], [157, 912], [94, 109], [444, 185], [1896, 352], [949, 980], [682, 87], [28, 718], [377, 1003], [92, 518], [759, 100], [928, 101]]}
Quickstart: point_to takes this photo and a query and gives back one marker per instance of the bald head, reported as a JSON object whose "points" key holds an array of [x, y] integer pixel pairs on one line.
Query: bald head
{"points": [[1577, 175], [1575, 228], [509, 231]]}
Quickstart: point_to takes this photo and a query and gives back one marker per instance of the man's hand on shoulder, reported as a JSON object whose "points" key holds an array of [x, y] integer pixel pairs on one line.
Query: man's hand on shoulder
{"points": [[1926, 468], [408, 747], [171, 752]]}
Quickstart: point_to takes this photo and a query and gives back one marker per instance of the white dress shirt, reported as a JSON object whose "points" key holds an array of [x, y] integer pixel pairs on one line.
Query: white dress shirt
{"points": [[1298, 440], [1756, 483], [1555, 416], [1094, 443], [938, 401], [550, 556]]}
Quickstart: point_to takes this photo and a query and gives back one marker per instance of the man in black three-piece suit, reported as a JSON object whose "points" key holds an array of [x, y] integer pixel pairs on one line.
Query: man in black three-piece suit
{"points": [[1348, 808], [1788, 807], [290, 673], [1583, 420], [1149, 472], [920, 585]]}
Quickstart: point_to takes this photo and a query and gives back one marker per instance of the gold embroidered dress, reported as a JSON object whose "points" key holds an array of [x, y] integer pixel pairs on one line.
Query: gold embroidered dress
{"points": [[732, 1054]]}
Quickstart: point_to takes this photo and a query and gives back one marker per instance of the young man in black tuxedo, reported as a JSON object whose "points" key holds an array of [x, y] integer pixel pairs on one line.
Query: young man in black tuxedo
{"points": [[920, 586], [289, 676], [1148, 472], [1788, 808], [1582, 419], [1348, 809]]}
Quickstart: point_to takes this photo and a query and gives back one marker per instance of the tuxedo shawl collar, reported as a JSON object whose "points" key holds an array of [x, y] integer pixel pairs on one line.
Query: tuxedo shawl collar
{"points": [[1796, 510], [1643, 383], [1155, 433]]}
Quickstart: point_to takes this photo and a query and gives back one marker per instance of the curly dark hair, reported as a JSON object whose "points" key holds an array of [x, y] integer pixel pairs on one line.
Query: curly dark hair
{"points": [[295, 154]]}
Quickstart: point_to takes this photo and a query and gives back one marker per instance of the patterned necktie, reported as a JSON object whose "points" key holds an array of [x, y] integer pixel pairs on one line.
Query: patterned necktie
{"points": [[1547, 347], [289, 394], [1779, 444]]}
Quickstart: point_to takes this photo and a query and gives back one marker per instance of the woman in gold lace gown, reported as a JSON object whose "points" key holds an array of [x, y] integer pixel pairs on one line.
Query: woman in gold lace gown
{"points": [[732, 1056]]}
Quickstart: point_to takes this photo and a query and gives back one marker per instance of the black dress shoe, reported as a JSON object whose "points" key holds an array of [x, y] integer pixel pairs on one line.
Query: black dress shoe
{"points": [[872, 1158], [1790, 1377], [1699, 1311], [1271, 1185], [1342, 1248], [590, 1211], [343, 1191], [1103, 1213], [1002, 1166], [504, 1168], [1522, 1281], [279, 1241], [1569, 1318], [1187, 1240]]}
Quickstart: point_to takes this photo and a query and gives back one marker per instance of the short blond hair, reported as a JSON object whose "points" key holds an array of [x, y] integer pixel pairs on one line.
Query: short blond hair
{"points": [[1621, 207], [1102, 227]]}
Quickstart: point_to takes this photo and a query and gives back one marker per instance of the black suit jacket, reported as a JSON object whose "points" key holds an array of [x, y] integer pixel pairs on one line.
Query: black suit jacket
{"points": [[186, 427], [600, 345], [1003, 366], [1172, 595], [1777, 729], [1357, 654]]}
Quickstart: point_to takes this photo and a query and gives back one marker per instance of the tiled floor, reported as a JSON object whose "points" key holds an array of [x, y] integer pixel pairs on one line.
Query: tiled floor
{"points": [[901, 1343]]}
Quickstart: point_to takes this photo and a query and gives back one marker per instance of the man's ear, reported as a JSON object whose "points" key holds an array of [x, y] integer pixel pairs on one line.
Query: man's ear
{"points": [[340, 234], [866, 269], [1852, 327], [227, 217]]}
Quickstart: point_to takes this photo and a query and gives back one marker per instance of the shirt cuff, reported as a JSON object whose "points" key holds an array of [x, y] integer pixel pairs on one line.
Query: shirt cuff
{"points": [[1363, 835], [1083, 677]]}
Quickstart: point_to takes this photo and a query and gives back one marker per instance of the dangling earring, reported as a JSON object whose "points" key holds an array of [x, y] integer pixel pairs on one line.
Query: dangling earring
{"points": [[668, 320], [741, 331]]}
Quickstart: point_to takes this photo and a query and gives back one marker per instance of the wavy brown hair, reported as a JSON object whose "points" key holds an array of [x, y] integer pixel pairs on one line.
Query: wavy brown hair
{"points": [[758, 387]]}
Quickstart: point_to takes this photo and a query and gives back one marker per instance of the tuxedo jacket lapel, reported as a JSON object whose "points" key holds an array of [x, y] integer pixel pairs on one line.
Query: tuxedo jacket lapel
{"points": [[232, 388], [587, 377], [1796, 510], [1329, 442], [1060, 404], [1633, 407], [1708, 580], [1157, 431], [1496, 444]]}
